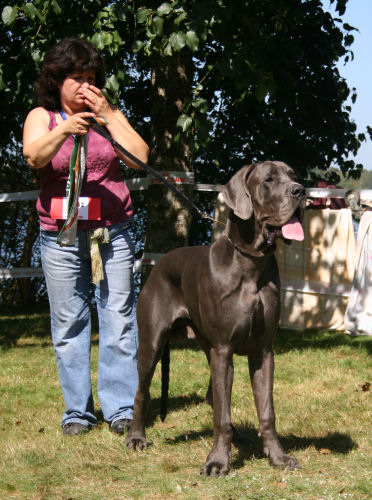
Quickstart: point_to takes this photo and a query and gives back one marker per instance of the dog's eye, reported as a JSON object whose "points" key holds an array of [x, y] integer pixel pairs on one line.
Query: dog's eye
{"points": [[269, 179]]}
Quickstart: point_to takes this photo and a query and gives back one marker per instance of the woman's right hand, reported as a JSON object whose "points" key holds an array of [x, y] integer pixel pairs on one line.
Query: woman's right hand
{"points": [[40, 144], [77, 124]]}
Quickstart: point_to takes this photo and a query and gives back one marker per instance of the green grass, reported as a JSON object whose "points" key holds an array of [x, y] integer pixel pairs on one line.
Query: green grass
{"points": [[324, 417]]}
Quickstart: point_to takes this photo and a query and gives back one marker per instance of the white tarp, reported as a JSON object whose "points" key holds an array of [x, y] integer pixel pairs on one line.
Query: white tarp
{"points": [[316, 274], [358, 317]]}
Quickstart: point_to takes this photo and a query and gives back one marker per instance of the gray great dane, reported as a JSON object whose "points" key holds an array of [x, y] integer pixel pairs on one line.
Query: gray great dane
{"points": [[228, 294]]}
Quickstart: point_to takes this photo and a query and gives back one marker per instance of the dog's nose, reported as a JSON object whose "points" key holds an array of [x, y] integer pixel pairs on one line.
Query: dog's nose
{"points": [[298, 191]]}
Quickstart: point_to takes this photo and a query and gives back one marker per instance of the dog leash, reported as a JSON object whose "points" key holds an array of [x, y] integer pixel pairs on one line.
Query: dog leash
{"points": [[67, 234], [99, 126]]}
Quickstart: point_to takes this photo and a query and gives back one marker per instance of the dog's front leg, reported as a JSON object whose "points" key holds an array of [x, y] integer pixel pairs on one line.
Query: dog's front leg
{"points": [[222, 370], [261, 367], [147, 359]]}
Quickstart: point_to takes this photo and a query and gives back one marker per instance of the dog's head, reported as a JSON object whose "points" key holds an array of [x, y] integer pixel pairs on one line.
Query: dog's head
{"points": [[269, 193]]}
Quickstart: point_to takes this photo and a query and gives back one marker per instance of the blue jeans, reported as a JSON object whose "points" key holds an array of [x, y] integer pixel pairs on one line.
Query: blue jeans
{"points": [[67, 272]]}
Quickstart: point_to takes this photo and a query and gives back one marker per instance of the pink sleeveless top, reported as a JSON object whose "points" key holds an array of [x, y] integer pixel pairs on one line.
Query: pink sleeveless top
{"points": [[103, 180]]}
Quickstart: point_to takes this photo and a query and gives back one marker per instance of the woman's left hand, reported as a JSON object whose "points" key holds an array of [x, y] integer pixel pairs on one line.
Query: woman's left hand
{"points": [[96, 101]]}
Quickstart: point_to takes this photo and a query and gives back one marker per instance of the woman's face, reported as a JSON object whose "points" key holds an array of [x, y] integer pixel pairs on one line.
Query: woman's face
{"points": [[70, 89]]}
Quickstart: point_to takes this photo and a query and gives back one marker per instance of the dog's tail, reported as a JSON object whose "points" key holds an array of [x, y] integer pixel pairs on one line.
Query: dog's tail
{"points": [[165, 361]]}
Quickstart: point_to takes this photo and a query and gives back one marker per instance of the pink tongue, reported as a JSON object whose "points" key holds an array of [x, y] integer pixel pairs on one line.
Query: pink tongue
{"points": [[292, 230]]}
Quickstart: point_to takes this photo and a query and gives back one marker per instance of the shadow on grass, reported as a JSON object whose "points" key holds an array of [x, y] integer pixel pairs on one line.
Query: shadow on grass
{"points": [[332, 443], [287, 340], [250, 444], [16, 326], [12, 328], [174, 403]]}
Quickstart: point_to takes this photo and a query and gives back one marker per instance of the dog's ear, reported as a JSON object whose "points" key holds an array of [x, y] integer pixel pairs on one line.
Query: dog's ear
{"points": [[236, 194]]}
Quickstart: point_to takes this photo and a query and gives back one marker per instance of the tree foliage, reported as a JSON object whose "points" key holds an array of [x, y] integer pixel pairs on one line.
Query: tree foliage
{"points": [[364, 182], [210, 84], [263, 76]]}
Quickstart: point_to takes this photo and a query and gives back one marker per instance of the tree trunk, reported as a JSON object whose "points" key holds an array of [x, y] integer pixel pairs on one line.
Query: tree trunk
{"points": [[169, 219]]}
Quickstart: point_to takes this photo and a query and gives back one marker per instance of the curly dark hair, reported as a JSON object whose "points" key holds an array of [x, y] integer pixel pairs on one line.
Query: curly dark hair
{"points": [[70, 55]]}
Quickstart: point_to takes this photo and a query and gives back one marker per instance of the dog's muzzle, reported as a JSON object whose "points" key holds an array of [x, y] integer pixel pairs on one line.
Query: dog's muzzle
{"points": [[298, 192]]}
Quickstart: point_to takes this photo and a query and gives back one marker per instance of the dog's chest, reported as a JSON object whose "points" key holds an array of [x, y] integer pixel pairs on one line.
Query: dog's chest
{"points": [[257, 318]]}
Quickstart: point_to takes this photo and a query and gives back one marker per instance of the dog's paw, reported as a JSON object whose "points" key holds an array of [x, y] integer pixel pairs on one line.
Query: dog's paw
{"points": [[214, 469], [285, 462], [136, 443]]}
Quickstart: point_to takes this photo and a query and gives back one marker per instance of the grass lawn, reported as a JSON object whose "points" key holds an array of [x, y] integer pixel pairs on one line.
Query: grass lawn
{"points": [[323, 408]]}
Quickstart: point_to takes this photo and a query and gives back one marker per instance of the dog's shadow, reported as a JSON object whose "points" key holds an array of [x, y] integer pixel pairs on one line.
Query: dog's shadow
{"points": [[246, 438], [249, 443], [175, 403], [331, 443]]}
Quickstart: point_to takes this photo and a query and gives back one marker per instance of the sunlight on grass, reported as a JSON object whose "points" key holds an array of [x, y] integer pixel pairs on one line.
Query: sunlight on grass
{"points": [[323, 409]]}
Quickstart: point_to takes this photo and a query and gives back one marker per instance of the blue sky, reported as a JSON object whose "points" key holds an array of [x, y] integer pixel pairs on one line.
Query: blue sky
{"points": [[358, 73]]}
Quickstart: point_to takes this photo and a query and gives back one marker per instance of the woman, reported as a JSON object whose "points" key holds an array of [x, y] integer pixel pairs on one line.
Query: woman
{"points": [[69, 92]]}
